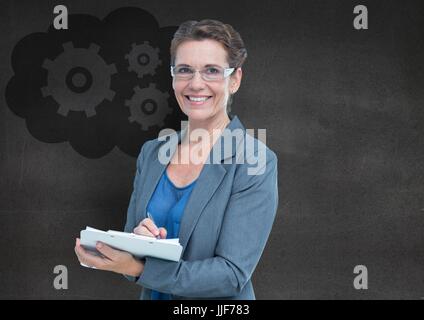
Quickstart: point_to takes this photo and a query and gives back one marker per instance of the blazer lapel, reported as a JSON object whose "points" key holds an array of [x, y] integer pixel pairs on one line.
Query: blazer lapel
{"points": [[151, 180], [208, 181]]}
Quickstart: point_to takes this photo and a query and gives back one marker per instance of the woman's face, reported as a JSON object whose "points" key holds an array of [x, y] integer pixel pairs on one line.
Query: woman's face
{"points": [[213, 95]]}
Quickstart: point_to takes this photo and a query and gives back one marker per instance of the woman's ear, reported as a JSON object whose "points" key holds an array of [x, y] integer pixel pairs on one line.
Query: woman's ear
{"points": [[236, 80]]}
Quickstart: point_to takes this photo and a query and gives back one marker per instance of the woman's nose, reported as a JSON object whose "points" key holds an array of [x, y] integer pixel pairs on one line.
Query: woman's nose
{"points": [[197, 81]]}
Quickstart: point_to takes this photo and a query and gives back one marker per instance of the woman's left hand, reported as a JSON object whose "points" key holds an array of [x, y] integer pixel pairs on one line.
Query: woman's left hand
{"points": [[112, 260]]}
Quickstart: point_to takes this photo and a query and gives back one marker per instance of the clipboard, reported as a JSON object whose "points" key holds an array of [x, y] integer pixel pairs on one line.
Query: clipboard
{"points": [[138, 245]]}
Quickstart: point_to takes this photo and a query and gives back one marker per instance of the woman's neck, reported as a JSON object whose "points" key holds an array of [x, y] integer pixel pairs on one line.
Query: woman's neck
{"points": [[213, 127]]}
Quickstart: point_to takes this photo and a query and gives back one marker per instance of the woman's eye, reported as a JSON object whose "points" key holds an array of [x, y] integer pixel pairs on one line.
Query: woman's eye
{"points": [[212, 70], [183, 70]]}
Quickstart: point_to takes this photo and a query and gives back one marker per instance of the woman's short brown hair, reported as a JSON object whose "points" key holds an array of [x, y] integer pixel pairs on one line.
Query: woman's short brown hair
{"points": [[215, 30]]}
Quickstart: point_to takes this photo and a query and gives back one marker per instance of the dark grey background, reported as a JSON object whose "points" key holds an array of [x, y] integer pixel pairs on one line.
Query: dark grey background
{"points": [[342, 109]]}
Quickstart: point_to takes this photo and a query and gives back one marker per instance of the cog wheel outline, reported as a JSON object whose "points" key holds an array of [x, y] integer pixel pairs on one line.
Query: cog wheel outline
{"points": [[152, 54], [58, 81], [148, 118]]}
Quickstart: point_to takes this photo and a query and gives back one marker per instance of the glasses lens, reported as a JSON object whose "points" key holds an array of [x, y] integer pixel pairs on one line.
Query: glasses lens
{"points": [[213, 73], [183, 72]]}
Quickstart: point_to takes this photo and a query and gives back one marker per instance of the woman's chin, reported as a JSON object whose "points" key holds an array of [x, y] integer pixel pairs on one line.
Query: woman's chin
{"points": [[197, 114]]}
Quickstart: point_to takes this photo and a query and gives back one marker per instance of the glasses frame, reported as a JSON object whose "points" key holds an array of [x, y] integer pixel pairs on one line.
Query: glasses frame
{"points": [[227, 73]]}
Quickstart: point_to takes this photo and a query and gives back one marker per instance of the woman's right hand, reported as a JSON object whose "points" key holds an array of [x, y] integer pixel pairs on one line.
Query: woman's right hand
{"points": [[148, 228]]}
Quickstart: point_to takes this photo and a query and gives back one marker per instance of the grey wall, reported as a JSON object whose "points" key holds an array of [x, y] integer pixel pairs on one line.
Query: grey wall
{"points": [[342, 109]]}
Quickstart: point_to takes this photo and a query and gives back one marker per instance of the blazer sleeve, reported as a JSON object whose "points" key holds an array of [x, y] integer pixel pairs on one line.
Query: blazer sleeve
{"points": [[247, 223]]}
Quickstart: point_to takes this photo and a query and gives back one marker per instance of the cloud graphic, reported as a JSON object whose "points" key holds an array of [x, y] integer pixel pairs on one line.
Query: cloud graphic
{"points": [[99, 84]]}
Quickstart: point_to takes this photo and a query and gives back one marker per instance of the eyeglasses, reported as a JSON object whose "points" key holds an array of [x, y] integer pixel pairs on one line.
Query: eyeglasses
{"points": [[214, 73]]}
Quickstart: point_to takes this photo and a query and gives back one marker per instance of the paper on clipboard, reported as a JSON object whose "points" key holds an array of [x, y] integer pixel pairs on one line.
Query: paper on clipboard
{"points": [[137, 245]]}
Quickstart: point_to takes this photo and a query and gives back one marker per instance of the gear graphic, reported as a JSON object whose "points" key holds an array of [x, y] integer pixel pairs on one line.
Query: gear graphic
{"points": [[78, 79], [143, 59], [148, 106]]}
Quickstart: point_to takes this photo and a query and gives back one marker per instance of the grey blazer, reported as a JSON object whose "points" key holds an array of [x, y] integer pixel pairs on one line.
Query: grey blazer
{"points": [[225, 225]]}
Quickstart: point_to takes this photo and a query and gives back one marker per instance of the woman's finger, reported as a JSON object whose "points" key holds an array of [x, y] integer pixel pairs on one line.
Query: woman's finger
{"points": [[162, 233], [142, 230], [107, 251], [150, 225]]}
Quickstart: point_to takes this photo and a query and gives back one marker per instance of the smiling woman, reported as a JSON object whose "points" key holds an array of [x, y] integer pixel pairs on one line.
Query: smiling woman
{"points": [[221, 212], [203, 95], [220, 44]]}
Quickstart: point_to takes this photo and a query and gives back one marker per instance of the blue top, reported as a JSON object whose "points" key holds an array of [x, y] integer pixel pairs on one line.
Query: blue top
{"points": [[167, 207]]}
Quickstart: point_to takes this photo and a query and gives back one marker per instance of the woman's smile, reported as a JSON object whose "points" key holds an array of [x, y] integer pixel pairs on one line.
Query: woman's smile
{"points": [[197, 100]]}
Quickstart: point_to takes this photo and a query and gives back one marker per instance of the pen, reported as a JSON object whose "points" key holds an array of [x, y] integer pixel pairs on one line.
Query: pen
{"points": [[151, 218]]}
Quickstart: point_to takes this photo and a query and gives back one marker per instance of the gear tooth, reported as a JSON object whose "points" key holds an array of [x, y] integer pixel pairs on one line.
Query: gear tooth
{"points": [[63, 111], [47, 64], [110, 94], [45, 91], [133, 45], [147, 43], [90, 112], [94, 47], [68, 46], [127, 56], [112, 69], [137, 90]]}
